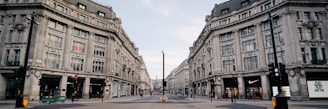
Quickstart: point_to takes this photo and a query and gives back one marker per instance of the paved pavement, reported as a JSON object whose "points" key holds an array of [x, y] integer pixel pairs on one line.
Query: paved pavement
{"points": [[176, 102]]}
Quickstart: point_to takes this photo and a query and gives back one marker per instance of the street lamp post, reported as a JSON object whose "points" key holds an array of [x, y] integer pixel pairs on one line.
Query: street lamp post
{"points": [[163, 96]]}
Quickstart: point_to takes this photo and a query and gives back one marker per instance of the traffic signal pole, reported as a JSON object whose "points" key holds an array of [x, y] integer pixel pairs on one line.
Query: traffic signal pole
{"points": [[281, 100], [19, 98]]}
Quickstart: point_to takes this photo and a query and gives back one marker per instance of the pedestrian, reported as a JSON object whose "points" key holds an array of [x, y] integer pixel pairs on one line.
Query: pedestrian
{"points": [[141, 94], [73, 94]]}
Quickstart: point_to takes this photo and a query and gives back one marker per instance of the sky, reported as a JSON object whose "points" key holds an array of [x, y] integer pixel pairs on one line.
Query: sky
{"points": [[154, 26]]}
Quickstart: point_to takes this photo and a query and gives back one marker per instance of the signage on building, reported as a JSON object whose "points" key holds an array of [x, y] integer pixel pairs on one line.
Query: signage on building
{"points": [[318, 89]]}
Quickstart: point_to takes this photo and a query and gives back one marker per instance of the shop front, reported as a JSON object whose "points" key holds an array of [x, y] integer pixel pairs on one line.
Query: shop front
{"points": [[230, 87], [317, 84], [253, 87], [96, 88]]}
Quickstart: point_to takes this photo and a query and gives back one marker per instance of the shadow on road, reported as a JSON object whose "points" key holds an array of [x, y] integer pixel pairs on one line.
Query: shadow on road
{"points": [[314, 106], [241, 106], [56, 106]]}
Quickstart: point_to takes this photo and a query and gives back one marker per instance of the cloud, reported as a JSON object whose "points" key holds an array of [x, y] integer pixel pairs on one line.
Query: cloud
{"points": [[188, 33]]}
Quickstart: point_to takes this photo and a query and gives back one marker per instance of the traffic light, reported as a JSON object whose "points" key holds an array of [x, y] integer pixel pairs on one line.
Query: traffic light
{"points": [[41, 82], [284, 76], [19, 73], [271, 68], [212, 88]]}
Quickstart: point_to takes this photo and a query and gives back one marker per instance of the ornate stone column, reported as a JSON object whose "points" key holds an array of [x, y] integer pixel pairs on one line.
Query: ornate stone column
{"points": [[265, 86], [241, 87]]}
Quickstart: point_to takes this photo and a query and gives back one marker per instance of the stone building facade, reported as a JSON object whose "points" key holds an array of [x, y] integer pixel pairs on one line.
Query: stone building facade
{"points": [[235, 47], [145, 80], [181, 78], [74, 41]]}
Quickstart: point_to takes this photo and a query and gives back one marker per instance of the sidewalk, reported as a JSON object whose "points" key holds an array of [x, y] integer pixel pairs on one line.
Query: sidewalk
{"points": [[10, 104]]}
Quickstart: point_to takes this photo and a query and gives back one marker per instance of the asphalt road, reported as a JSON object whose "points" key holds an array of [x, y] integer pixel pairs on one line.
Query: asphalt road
{"points": [[173, 102]]}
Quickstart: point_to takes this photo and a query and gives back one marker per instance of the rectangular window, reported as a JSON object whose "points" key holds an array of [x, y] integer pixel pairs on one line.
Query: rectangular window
{"points": [[244, 3], [100, 38], [78, 47], [26, 1], [228, 49], [54, 41], [229, 65], [17, 1], [277, 39], [314, 55], [300, 33], [226, 36], [225, 11], [81, 6], [310, 33], [98, 67], [268, 6], [317, 15], [247, 31], [77, 64], [13, 18], [80, 33], [320, 33], [10, 36], [52, 60], [249, 45], [280, 57], [7, 57], [276, 21], [266, 25], [303, 55], [250, 63], [56, 25], [99, 51], [20, 36], [84, 18], [323, 50], [0, 35], [298, 16], [101, 24], [307, 16], [101, 14], [2, 19], [16, 60], [23, 18]]}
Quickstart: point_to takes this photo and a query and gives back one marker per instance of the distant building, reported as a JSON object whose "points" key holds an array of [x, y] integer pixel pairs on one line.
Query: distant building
{"points": [[234, 49]]}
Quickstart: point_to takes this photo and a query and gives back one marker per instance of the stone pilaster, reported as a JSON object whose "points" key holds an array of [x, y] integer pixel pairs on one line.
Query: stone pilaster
{"points": [[31, 86], [241, 87], [3, 84], [63, 85], [86, 87], [265, 86]]}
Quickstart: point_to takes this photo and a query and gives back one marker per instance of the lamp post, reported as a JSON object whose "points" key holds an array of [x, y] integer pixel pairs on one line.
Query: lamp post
{"points": [[163, 96]]}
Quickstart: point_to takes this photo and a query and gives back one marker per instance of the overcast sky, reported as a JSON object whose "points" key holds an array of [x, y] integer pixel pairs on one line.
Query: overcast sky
{"points": [[156, 25]]}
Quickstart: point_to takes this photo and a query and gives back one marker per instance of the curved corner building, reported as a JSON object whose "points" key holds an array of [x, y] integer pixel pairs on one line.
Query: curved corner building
{"points": [[78, 47], [235, 48]]}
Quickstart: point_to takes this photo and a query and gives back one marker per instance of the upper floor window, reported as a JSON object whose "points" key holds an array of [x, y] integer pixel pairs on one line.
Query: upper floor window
{"points": [[229, 65], [20, 36], [320, 33], [7, 57], [17, 56], [101, 14], [225, 11], [100, 38], [80, 33], [22, 18], [13, 18], [310, 33], [226, 36], [78, 47], [77, 64], [300, 33], [10, 36], [98, 66], [280, 57], [307, 16], [56, 25], [82, 6], [26, 1], [298, 16], [2, 19], [249, 45], [101, 24], [244, 3], [247, 31], [99, 51], [54, 41], [250, 63], [228, 49], [277, 39], [266, 6], [317, 15], [52, 60], [84, 18], [60, 8]]}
